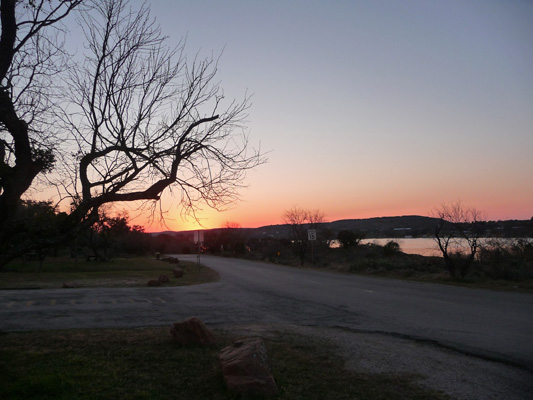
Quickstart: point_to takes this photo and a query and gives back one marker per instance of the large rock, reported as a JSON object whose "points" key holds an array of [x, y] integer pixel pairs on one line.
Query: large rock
{"points": [[163, 279], [192, 331], [245, 368], [178, 272], [153, 282]]}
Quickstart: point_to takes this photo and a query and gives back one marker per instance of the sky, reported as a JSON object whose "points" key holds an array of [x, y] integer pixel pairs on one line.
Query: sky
{"points": [[371, 108]]}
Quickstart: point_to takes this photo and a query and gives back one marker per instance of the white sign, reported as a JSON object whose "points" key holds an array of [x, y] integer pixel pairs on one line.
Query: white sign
{"points": [[311, 234]]}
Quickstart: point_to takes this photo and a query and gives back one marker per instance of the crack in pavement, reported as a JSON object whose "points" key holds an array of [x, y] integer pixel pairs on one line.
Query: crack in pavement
{"points": [[436, 343]]}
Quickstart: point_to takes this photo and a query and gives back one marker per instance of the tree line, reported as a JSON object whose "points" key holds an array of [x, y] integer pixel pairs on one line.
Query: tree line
{"points": [[458, 234]]}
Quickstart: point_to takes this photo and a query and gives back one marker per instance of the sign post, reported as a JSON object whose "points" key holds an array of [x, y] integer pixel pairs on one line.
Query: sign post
{"points": [[198, 239], [311, 236]]}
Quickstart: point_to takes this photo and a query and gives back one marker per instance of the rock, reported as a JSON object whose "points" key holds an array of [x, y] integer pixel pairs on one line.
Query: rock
{"points": [[245, 368], [178, 272], [71, 285], [154, 282], [192, 331], [163, 279]]}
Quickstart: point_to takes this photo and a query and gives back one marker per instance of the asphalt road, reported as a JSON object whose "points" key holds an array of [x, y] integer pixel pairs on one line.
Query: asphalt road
{"points": [[492, 325]]}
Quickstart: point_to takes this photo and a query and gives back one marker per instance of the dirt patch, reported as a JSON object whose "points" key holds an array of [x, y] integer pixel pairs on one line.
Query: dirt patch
{"points": [[461, 376]]}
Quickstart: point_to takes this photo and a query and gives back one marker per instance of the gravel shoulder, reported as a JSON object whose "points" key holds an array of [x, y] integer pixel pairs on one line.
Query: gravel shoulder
{"points": [[461, 376]]}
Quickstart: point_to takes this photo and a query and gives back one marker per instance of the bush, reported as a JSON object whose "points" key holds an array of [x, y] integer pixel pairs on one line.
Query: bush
{"points": [[348, 238], [391, 248], [509, 259]]}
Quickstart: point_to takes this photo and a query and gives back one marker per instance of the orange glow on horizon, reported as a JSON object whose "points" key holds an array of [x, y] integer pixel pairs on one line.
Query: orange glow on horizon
{"points": [[248, 219]]}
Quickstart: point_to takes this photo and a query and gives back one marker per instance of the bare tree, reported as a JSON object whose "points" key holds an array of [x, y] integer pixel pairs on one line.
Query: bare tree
{"points": [[458, 236], [300, 221], [142, 118], [233, 237]]}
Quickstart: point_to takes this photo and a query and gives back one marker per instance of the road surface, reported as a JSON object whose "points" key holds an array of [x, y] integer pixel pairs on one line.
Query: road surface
{"points": [[492, 325]]}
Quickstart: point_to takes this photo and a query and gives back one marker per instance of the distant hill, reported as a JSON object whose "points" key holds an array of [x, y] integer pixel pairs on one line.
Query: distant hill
{"points": [[410, 225], [386, 227]]}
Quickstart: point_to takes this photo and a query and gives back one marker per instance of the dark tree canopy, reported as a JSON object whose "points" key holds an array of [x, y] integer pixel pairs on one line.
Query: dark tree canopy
{"points": [[348, 238]]}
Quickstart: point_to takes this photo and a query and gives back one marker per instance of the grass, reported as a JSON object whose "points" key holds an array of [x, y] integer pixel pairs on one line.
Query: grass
{"points": [[519, 286], [146, 364], [120, 272]]}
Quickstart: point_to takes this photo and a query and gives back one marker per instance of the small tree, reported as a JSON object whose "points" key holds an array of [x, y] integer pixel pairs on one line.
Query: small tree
{"points": [[390, 248], [300, 221], [348, 238], [229, 238], [35, 220], [458, 236]]}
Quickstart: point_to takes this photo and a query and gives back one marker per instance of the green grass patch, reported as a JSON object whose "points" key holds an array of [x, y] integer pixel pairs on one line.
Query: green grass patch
{"points": [[146, 364], [120, 272]]}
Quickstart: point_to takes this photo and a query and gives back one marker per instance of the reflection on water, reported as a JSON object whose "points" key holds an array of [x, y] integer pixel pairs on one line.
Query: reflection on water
{"points": [[423, 246], [428, 246]]}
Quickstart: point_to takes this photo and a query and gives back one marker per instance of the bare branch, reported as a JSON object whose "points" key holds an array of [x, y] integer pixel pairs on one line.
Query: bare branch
{"points": [[131, 119], [144, 119]]}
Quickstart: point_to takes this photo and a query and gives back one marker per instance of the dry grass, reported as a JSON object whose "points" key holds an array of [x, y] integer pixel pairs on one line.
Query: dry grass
{"points": [[146, 364]]}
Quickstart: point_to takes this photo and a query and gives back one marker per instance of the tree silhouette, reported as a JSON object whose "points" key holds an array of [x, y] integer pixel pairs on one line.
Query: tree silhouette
{"points": [[458, 236], [349, 238], [299, 221], [136, 118]]}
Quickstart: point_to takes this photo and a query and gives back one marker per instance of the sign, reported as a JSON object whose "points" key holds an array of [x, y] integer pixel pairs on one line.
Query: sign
{"points": [[311, 234], [198, 236]]}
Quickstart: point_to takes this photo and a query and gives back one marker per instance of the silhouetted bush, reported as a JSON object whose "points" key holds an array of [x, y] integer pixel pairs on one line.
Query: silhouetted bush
{"points": [[348, 238], [510, 259], [391, 248]]}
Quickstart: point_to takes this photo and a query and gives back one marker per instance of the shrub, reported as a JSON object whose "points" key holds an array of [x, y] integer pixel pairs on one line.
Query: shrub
{"points": [[510, 259], [391, 248]]}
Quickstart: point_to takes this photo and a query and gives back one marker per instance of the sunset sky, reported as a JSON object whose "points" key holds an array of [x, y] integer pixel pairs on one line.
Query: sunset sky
{"points": [[371, 108], [374, 108]]}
